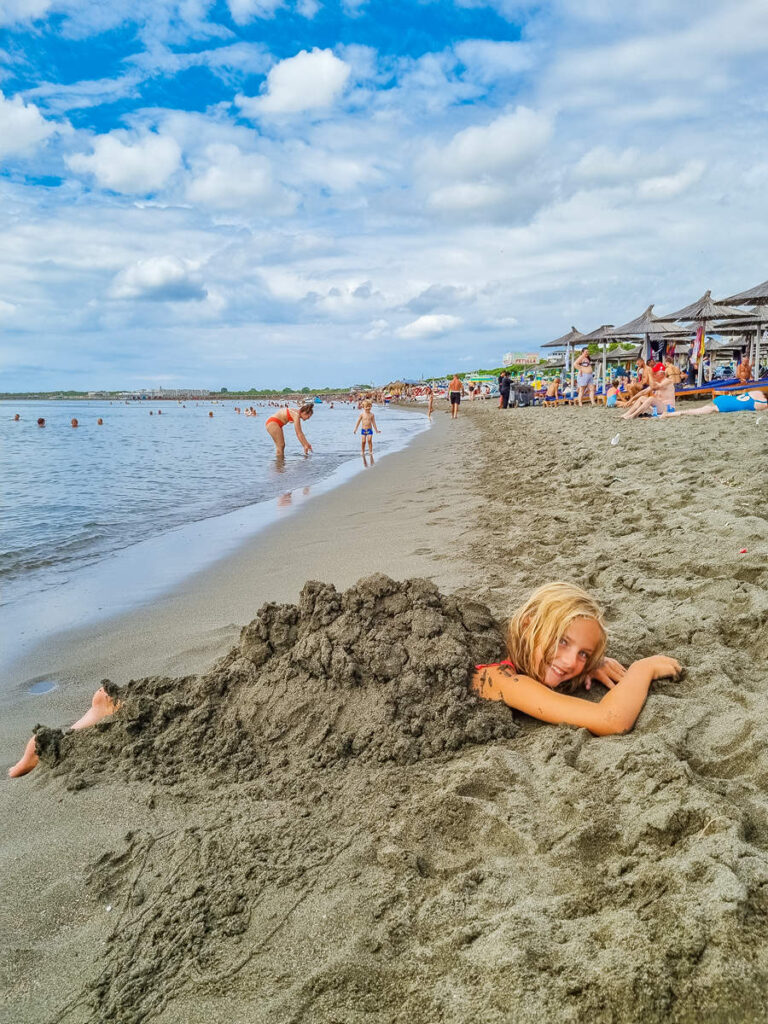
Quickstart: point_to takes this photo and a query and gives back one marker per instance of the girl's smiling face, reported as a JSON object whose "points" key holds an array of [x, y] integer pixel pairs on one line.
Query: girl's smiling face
{"points": [[573, 651]]}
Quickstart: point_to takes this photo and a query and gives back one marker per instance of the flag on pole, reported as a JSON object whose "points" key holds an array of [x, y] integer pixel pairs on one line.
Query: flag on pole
{"points": [[697, 348]]}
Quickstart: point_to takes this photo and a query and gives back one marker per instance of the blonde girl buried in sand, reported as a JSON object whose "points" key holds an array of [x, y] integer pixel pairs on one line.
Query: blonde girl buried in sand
{"points": [[556, 639]]}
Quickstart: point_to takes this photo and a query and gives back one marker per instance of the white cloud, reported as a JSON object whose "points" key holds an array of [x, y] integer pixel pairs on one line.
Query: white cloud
{"points": [[467, 197], [309, 81], [22, 127], [507, 142], [129, 166], [429, 326], [488, 60], [14, 11], [236, 180], [159, 279], [7, 310], [669, 186], [243, 11], [605, 164]]}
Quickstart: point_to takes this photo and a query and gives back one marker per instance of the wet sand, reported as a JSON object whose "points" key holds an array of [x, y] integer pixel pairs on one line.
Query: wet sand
{"points": [[266, 860]]}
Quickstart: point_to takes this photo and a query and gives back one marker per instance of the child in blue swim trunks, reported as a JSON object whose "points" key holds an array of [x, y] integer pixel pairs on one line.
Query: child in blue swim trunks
{"points": [[367, 422]]}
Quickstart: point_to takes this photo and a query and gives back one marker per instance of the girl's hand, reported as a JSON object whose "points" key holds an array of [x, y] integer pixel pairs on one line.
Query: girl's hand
{"points": [[307, 449], [609, 672], [663, 667]]}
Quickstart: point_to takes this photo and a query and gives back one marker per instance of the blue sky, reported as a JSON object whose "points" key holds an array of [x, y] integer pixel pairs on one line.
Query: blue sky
{"points": [[263, 192]]}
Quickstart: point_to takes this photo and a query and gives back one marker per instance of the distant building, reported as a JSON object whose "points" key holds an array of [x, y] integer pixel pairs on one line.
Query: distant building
{"points": [[140, 393], [520, 359]]}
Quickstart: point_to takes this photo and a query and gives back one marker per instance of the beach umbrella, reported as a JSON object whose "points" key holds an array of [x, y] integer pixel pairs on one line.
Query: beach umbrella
{"points": [[566, 341], [757, 319], [648, 326], [757, 296], [702, 312], [600, 334]]}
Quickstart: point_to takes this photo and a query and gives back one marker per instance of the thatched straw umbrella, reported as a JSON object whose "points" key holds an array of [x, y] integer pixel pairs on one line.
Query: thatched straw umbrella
{"points": [[600, 333], [645, 326], [756, 320], [758, 297], [702, 312], [567, 341]]}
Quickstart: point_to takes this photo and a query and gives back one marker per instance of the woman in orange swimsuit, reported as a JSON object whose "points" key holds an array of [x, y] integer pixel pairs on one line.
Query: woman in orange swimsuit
{"points": [[558, 639], [277, 423]]}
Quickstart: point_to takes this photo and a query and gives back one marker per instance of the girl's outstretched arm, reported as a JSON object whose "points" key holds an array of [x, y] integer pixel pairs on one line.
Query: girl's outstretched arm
{"points": [[373, 424], [359, 421], [616, 713]]}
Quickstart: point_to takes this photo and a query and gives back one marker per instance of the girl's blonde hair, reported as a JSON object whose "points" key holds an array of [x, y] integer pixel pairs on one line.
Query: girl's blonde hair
{"points": [[537, 628], [367, 404]]}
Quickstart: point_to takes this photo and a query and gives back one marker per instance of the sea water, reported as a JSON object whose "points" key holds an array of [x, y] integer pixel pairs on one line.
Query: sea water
{"points": [[96, 519]]}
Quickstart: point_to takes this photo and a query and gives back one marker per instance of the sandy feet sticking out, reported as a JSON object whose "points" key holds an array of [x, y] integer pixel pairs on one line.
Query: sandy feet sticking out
{"points": [[102, 706]]}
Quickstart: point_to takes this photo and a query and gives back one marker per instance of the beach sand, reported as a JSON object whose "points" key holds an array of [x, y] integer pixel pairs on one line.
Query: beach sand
{"points": [[323, 827]]}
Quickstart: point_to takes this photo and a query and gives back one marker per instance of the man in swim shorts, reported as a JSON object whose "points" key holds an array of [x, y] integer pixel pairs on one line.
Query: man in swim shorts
{"points": [[455, 391]]}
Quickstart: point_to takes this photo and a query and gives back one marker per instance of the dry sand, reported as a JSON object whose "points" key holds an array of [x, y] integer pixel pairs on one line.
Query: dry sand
{"points": [[325, 827]]}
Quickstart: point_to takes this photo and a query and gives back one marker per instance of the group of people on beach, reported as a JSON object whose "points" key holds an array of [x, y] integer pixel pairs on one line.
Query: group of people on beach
{"points": [[652, 390]]}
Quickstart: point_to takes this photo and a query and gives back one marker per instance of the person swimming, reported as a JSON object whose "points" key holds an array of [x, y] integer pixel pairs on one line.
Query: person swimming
{"points": [[276, 425], [557, 639]]}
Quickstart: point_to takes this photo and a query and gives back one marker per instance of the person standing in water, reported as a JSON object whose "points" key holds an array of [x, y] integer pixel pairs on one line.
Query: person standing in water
{"points": [[455, 391], [367, 423], [276, 425]]}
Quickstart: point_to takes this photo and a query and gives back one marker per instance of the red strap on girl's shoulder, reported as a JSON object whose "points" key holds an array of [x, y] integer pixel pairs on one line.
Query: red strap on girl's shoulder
{"points": [[495, 664]]}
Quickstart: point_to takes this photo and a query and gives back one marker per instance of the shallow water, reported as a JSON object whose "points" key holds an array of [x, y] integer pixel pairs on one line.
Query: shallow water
{"points": [[73, 499]]}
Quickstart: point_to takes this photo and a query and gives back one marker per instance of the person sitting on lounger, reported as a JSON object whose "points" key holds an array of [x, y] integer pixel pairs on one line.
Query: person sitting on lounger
{"points": [[744, 370], [660, 395], [750, 401], [674, 373]]}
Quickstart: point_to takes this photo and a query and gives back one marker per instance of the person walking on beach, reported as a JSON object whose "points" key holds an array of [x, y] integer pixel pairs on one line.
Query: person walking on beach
{"points": [[367, 423], [586, 376], [505, 386], [455, 391], [430, 402], [276, 425]]}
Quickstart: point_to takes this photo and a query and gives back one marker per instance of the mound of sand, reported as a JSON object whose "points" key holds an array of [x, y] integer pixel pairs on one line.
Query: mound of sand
{"points": [[338, 832], [377, 673]]}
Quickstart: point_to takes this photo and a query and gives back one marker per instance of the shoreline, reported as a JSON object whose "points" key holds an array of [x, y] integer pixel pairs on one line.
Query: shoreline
{"points": [[184, 629], [137, 576]]}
